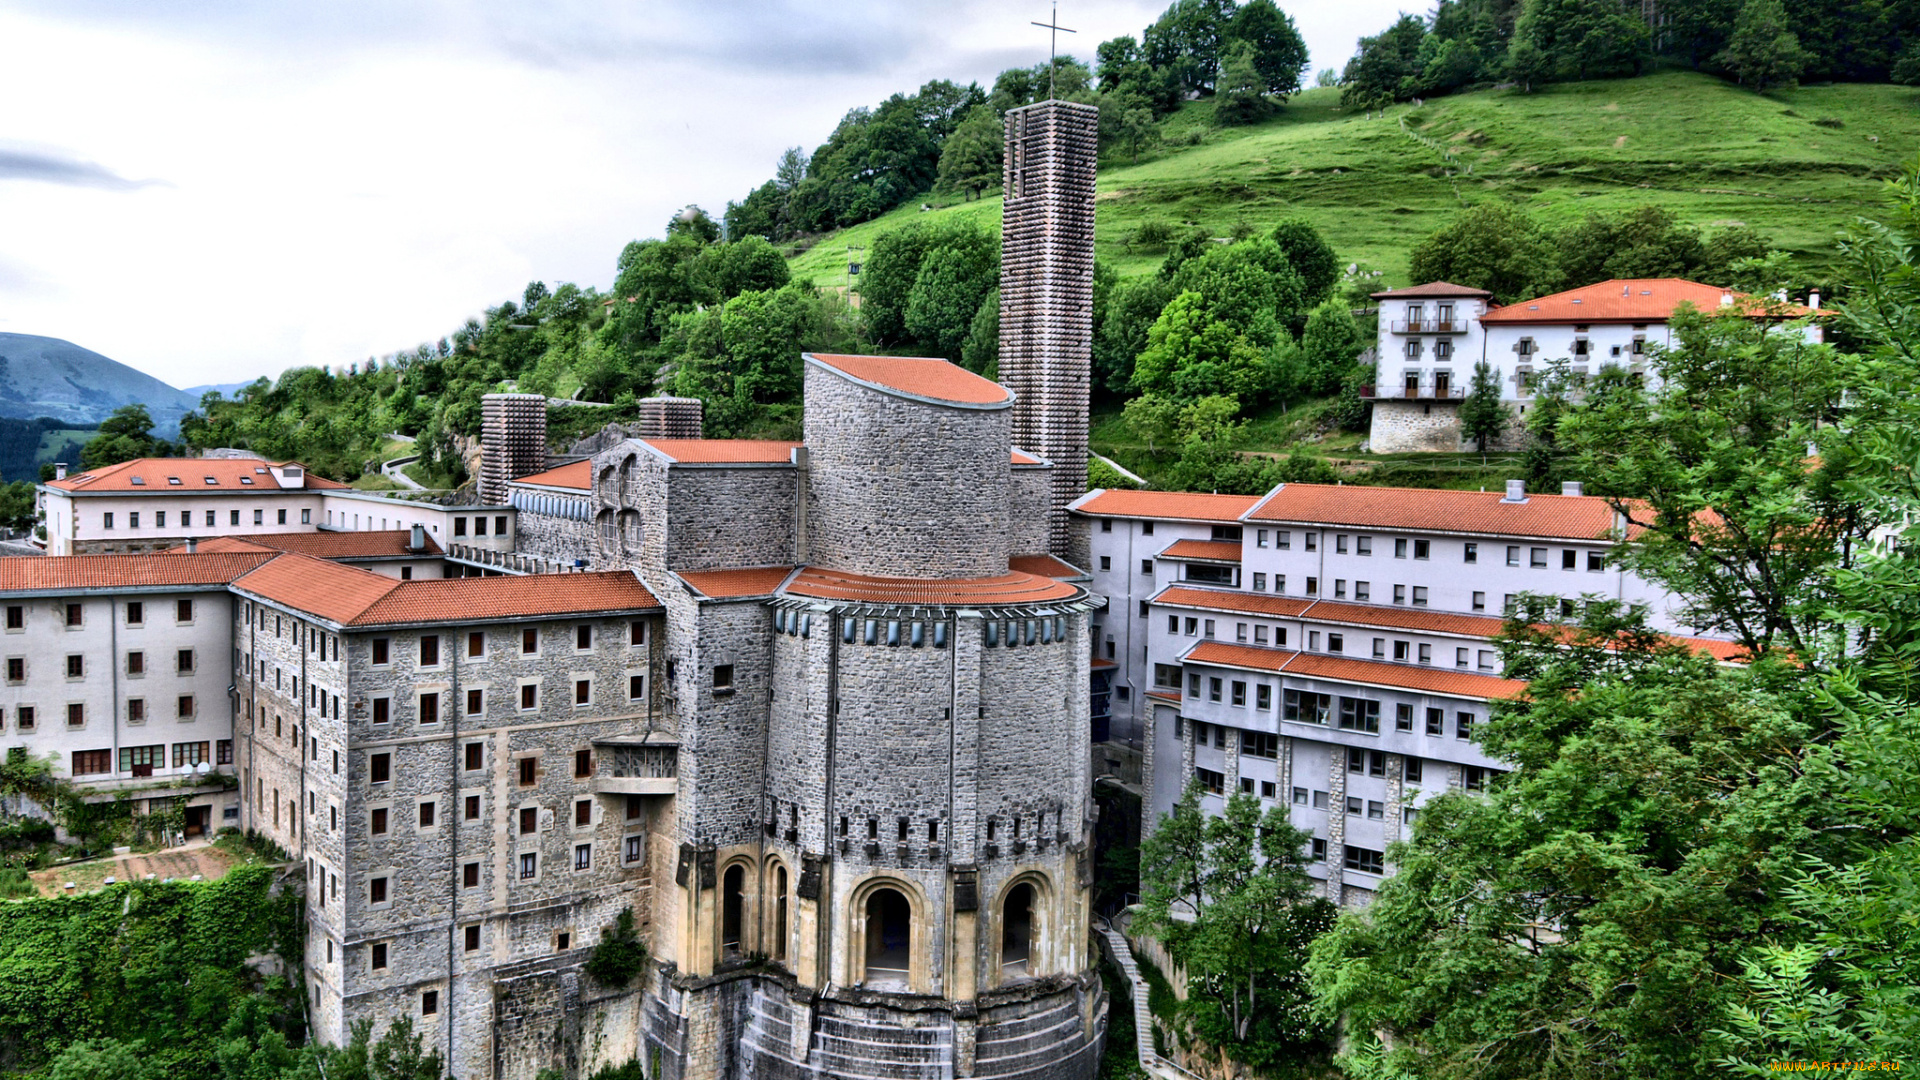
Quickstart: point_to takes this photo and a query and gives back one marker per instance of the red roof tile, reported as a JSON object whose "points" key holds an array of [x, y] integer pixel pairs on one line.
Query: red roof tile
{"points": [[1009, 588], [1102, 664], [919, 376], [1021, 457], [371, 544], [724, 451], [577, 475], [58, 572], [1277, 607], [1433, 288], [1165, 695], [1569, 517], [732, 584], [1045, 566], [1213, 550], [353, 597], [1165, 505], [1376, 673], [1628, 300], [154, 475]]}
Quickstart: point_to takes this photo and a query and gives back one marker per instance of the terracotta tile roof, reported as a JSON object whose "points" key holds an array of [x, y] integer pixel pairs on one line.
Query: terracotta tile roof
{"points": [[1628, 300], [1165, 695], [1165, 505], [371, 544], [1045, 566], [724, 451], [1265, 604], [1212, 550], [1021, 457], [919, 376], [1560, 517], [155, 475], [508, 597], [56, 572], [353, 597], [1102, 664], [1372, 672], [1432, 288], [732, 584], [329, 590], [577, 475], [1009, 588]]}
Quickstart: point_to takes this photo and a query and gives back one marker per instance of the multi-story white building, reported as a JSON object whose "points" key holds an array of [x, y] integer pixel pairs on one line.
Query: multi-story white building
{"points": [[153, 504], [1329, 648], [1432, 336]]}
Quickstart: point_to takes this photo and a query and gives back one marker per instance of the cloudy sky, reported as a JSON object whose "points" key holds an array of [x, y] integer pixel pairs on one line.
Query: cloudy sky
{"points": [[211, 190]]}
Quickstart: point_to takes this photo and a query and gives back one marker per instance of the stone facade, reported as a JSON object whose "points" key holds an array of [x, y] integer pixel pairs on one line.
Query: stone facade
{"points": [[1046, 293], [1401, 427]]}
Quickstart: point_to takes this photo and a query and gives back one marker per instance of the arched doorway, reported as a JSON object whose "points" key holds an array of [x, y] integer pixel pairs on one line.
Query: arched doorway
{"points": [[779, 949], [889, 939], [1016, 933], [733, 902]]}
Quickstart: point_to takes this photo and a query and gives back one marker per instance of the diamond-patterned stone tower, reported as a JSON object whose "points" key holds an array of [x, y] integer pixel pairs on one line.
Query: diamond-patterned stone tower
{"points": [[513, 442], [1046, 292]]}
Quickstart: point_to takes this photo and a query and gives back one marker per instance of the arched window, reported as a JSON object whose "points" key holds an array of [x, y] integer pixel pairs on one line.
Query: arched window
{"points": [[779, 949], [733, 902], [1016, 933], [889, 938]]}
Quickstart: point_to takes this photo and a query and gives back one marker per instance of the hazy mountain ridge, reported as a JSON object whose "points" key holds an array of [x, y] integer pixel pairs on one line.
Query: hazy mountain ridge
{"points": [[45, 376]]}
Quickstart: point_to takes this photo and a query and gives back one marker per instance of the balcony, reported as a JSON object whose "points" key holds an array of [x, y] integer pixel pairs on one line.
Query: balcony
{"points": [[1411, 393], [1428, 326], [637, 768]]}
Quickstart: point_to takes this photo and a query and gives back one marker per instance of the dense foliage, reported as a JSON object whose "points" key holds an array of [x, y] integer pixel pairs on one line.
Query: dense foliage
{"points": [[1466, 44]]}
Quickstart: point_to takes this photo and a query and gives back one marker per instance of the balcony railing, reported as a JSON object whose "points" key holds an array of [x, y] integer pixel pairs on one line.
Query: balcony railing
{"points": [[1428, 326], [1406, 393]]}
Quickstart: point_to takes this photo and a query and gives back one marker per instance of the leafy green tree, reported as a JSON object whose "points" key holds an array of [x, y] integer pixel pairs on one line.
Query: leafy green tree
{"points": [[104, 1059], [1906, 70], [1493, 246], [1188, 40], [125, 435], [970, 162], [1250, 284], [1193, 352], [1763, 51], [1122, 334], [1277, 52], [981, 351], [1153, 417], [1230, 898], [891, 275], [1386, 66], [749, 264], [1579, 39], [17, 510], [954, 278], [1646, 242], [1242, 98], [1310, 256], [690, 221], [1483, 416], [1328, 347]]}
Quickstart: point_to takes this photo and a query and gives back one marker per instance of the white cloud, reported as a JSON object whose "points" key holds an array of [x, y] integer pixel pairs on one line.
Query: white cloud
{"points": [[215, 191]]}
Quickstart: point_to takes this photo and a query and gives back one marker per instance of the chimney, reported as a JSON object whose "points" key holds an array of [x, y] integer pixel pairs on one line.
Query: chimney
{"points": [[1570, 487], [193, 544], [59, 470], [1813, 299], [417, 541], [1516, 491], [1726, 299]]}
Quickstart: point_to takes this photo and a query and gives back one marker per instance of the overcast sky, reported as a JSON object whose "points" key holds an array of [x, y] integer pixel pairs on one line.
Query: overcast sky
{"points": [[211, 190]]}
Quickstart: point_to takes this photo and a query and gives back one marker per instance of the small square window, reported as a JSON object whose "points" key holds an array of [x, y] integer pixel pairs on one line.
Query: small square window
{"points": [[1106, 562], [377, 890], [722, 677], [379, 768], [429, 999], [529, 696], [470, 876], [378, 952], [583, 691]]}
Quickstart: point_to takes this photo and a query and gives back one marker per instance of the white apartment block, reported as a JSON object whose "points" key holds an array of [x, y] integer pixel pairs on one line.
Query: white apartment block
{"points": [[154, 504], [1431, 337], [1330, 648]]}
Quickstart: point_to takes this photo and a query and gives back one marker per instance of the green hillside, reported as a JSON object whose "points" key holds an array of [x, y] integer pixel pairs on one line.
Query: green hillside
{"points": [[1796, 165], [43, 376]]}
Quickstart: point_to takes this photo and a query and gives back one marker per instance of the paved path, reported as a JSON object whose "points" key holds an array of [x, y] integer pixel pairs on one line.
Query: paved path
{"points": [[391, 470], [1151, 1062]]}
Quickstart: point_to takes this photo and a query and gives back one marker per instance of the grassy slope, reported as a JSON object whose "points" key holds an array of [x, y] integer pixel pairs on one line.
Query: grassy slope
{"points": [[1714, 154]]}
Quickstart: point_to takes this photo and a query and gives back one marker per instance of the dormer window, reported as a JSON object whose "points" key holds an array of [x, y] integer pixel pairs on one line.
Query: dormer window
{"points": [[292, 470], [173, 481], [138, 481], [246, 479], [213, 480], [259, 471]]}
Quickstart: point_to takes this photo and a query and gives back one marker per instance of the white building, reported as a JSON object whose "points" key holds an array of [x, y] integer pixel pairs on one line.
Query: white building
{"points": [[1330, 648], [1432, 336]]}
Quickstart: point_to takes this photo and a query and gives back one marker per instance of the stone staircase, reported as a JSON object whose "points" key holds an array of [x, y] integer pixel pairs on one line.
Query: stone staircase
{"points": [[1151, 1062]]}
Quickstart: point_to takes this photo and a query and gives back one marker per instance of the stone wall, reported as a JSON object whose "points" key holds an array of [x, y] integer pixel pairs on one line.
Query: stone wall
{"points": [[1401, 427], [1031, 501], [904, 488]]}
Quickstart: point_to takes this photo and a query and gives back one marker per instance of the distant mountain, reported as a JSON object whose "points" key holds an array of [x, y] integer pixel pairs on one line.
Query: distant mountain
{"points": [[43, 376], [226, 389]]}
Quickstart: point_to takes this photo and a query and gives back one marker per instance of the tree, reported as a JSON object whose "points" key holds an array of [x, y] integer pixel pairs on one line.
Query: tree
{"points": [[1763, 51], [1327, 77], [749, 264], [1192, 353], [1646, 242], [1152, 417], [954, 278], [1578, 39], [125, 435], [1328, 347], [1493, 246], [1310, 256], [1242, 98], [1121, 336], [970, 162], [1483, 416], [1384, 68], [693, 222], [1276, 51], [1230, 898], [1188, 39]]}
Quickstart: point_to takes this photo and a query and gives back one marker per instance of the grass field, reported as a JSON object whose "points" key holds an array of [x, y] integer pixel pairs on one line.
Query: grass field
{"points": [[1796, 165]]}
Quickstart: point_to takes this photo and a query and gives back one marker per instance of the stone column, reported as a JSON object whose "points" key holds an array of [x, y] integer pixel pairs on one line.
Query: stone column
{"points": [[1336, 822]]}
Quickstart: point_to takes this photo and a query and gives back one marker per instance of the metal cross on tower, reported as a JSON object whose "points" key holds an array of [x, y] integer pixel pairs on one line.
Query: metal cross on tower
{"points": [[1053, 46]]}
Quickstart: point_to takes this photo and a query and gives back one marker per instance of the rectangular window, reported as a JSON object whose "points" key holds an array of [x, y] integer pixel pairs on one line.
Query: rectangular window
{"points": [[1419, 596], [1146, 567], [1486, 660], [1463, 725], [529, 697], [472, 937], [583, 636], [429, 650], [86, 762], [636, 687], [1339, 588], [1259, 744], [722, 677], [378, 958], [1403, 717], [183, 706], [379, 768], [16, 617], [1596, 562], [427, 813], [583, 856], [380, 656], [1263, 697], [1365, 860], [529, 771], [1313, 586], [1379, 648], [1339, 543], [382, 710], [1311, 541], [1146, 528], [1305, 706], [1284, 541], [76, 666], [1360, 714], [257, 519], [1436, 721], [635, 849], [1569, 559], [583, 812], [1209, 628], [429, 708], [1239, 692], [1513, 555], [529, 641], [1354, 805], [16, 669], [1426, 653], [1413, 771], [377, 821], [1213, 689], [136, 613], [471, 807], [1476, 778], [76, 715], [1106, 562], [583, 691], [1259, 582], [1460, 657], [582, 764], [529, 865], [23, 718], [74, 612], [1422, 549], [1537, 558], [1375, 810], [1214, 782], [470, 876]]}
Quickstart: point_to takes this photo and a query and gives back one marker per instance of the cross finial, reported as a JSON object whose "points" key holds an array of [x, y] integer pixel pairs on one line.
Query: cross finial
{"points": [[1053, 47]]}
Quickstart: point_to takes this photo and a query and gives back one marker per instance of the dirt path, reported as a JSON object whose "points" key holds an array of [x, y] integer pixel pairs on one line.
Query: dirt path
{"points": [[181, 862]]}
